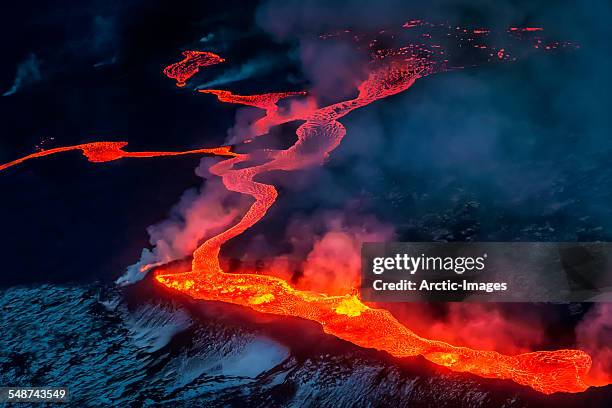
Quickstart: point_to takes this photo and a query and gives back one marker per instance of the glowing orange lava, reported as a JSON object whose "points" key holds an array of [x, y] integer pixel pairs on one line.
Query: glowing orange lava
{"points": [[345, 316], [190, 65], [267, 102], [98, 152]]}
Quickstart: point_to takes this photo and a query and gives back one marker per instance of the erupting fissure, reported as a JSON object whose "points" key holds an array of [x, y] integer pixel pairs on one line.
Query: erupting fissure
{"points": [[345, 317]]}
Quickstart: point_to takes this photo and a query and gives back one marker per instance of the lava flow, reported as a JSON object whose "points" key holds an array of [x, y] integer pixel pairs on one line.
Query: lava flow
{"points": [[98, 152], [267, 102], [345, 317], [183, 70]]}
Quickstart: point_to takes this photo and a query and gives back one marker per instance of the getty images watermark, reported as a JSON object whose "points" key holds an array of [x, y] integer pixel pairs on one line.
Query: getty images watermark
{"points": [[487, 272]]}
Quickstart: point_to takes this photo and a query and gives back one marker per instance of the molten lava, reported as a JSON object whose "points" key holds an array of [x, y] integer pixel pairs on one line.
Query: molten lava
{"points": [[267, 102], [98, 152], [346, 317], [186, 68]]}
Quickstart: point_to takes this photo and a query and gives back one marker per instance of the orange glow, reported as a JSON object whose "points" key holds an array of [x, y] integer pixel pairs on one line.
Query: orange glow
{"points": [[267, 102], [98, 152], [186, 68], [345, 316]]}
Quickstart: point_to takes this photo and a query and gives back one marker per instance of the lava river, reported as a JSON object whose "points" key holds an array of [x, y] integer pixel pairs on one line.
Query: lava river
{"points": [[345, 317]]}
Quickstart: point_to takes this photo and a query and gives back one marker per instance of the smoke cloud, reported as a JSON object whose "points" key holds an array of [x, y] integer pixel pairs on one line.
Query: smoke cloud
{"points": [[481, 326], [28, 72], [455, 155], [249, 69], [198, 215], [471, 155], [323, 251], [330, 245], [594, 335]]}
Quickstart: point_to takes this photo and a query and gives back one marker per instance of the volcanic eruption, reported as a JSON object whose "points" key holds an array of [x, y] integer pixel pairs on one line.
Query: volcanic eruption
{"points": [[390, 71]]}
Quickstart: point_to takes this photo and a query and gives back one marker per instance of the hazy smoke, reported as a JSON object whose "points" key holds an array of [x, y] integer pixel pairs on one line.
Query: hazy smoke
{"points": [[28, 72], [333, 239], [334, 69], [242, 129], [444, 142], [594, 335], [325, 251], [452, 145], [246, 117], [481, 326], [473, 134], [247, 70], [199, 214]]}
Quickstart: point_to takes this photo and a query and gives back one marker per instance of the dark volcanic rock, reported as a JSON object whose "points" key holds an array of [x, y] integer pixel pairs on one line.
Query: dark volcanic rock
{"points": [[141, 347]]}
